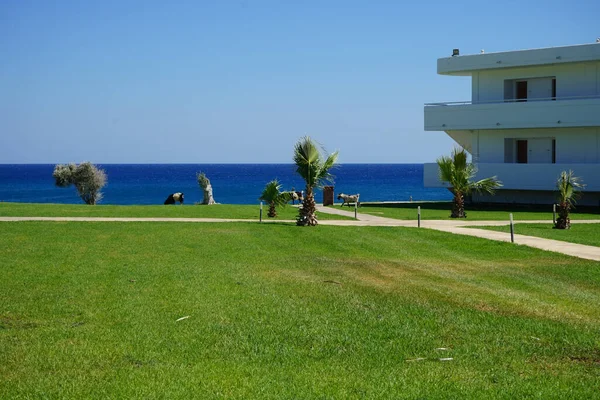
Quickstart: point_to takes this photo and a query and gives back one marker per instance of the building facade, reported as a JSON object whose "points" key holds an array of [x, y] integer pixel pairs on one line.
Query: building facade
{"points": [[532, 114]]}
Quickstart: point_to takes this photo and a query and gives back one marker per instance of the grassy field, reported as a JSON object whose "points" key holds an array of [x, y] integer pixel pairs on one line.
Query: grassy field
{"points": [[408, 211], [227, 211], [579, 233], [90, 310]]}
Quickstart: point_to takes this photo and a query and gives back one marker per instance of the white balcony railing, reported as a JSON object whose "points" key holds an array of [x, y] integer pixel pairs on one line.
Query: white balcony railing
{"points": [[581, 111], [524, 176], [469, 102]]}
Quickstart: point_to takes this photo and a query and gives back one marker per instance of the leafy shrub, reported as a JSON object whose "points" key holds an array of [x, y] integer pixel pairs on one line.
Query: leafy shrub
{"points": [[86, 177]]}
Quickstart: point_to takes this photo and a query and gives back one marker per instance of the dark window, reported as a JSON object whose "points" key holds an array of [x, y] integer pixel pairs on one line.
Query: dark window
{"points": [[554, 89], [522, 151], [553, 151], [521, 90]]}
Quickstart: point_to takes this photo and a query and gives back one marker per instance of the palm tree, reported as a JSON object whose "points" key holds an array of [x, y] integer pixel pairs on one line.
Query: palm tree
{"points": [[459, 174], [272, 195], [314, 169], [568, 187]]}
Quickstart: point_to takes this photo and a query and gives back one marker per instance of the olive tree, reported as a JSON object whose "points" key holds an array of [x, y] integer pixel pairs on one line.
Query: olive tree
{"points": [[86, 177]]}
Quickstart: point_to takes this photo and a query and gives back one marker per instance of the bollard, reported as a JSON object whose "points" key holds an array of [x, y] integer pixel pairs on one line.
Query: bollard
{"points": [[512, 230], [554, 213], [260, 218], [355, 210], [419, 216]]}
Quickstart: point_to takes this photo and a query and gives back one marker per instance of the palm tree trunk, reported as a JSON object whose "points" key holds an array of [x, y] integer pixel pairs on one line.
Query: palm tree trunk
{"points": [[458, 206], [272, 212], [563, 221], [307, 213]]}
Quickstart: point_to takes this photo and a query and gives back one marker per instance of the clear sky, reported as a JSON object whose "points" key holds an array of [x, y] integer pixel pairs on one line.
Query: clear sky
{"points": [[240, 81]]}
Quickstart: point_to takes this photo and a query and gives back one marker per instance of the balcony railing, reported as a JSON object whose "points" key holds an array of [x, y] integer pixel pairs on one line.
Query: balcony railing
{"points": [[524, 176], [565, 112], [468, 102]]}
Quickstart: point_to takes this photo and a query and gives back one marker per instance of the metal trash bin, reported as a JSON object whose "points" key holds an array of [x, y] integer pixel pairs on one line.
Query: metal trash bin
{"points": [[327, 195]]}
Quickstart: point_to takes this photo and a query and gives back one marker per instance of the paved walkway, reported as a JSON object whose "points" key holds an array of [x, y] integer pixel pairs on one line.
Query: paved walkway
{"points": [[460, 227]]}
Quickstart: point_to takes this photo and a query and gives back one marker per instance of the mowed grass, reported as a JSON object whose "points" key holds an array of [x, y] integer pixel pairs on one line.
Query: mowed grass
{"points": [[588, 234], [225, 211], [437, 211], [90, 310]]}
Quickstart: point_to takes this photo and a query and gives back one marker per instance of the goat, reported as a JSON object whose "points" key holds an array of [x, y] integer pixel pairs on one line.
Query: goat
{"points": [[349, 198], [296, 196]]}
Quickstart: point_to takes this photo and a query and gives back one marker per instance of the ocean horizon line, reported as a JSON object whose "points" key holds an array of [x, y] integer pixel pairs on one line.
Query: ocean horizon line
{"points": [[206, 163]]}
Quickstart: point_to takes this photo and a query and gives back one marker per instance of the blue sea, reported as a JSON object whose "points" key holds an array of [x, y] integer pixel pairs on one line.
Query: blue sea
{"points": [[232, 183]]}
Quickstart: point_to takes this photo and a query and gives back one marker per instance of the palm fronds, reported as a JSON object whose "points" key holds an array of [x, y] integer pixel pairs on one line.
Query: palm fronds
{"points": [[315, 170], [459, 174]]}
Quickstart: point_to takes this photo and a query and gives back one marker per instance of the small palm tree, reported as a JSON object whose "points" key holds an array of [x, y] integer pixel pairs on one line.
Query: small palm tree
{"points": [[459, 174], [569, 190], [274, 197], [314, 168]]}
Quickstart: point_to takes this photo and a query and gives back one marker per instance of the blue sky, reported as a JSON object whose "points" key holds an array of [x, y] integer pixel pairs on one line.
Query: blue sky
{"points": [[241, 81]]}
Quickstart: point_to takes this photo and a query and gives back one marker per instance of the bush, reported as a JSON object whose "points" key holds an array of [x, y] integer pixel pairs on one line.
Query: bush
{"points": [[86, 177]]}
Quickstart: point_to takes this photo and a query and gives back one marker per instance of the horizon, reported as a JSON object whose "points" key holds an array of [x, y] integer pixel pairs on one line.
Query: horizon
{"points": [[214, 163]]}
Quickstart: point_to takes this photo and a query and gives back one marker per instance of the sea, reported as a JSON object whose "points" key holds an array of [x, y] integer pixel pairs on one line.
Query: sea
{"points": [[232, 183]]}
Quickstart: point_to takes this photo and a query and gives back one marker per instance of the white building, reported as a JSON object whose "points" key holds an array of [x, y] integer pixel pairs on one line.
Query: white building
{"points": [[532, 114]]}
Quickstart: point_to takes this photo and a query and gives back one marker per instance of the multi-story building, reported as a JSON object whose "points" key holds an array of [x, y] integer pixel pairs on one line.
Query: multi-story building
{"points": [[533, 114]]}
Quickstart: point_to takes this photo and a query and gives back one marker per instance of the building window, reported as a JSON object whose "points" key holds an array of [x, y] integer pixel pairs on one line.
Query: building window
{"points": [[521, 91], [531, 89], [522, 151], [530, 150]]}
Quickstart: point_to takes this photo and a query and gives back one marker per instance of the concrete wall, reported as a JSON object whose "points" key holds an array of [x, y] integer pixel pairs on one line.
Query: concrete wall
{"points": [[527, 183], [531, 114], [465, 65]]}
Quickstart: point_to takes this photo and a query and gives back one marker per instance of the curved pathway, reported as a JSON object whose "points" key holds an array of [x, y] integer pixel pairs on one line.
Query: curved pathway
{"points": [[460, 227], [451, 226]]}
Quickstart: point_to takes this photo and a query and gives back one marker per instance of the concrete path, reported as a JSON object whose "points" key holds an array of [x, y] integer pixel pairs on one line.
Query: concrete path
{"points": [[452, 226], [460, 227]]}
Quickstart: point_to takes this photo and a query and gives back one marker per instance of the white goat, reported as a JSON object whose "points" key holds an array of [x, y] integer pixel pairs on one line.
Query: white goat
{"points": [[349, 198]]}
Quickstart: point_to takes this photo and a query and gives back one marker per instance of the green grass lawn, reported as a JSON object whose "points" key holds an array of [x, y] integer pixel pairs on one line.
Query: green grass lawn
{"points": [[579, 233], [90, 310], [408, 211], [170, 211]]}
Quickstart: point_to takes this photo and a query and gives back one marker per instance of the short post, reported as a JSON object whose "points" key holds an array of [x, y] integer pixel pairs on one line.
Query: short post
{"points": [[512, 230], [260, 220], [554, 213], [355, 209], [419, 216]]}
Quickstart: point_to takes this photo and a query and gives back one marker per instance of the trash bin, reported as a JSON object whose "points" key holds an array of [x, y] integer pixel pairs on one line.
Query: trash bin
{"points": [[327, 195]]}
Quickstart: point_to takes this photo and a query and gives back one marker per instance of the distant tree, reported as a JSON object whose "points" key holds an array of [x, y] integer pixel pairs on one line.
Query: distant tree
{"points": [[569, 190], [459, 174], [206, 187], [86, 177], [314, 168], [274, 197]]}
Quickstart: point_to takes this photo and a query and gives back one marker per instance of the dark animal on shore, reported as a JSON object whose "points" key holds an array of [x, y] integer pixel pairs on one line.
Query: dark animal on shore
{"points": [[349, 198], [296, 196], [175, 197]]}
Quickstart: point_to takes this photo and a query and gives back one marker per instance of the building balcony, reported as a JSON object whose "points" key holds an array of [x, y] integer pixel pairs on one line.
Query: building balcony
{"points": [[524, 176], [538, 113]]}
